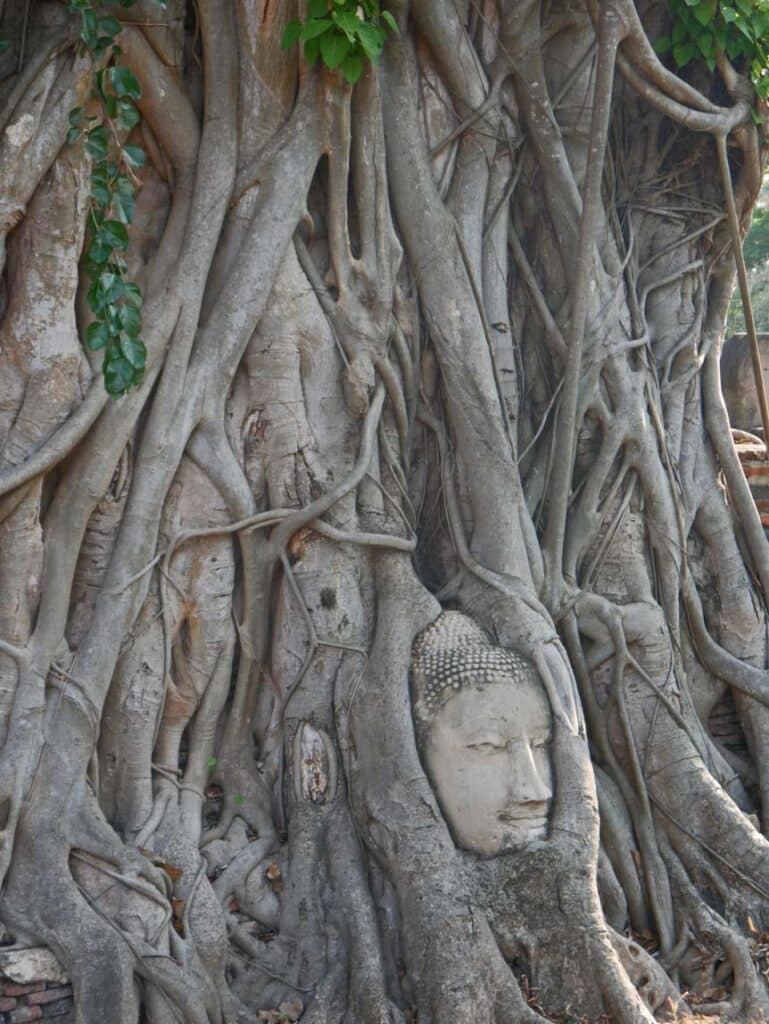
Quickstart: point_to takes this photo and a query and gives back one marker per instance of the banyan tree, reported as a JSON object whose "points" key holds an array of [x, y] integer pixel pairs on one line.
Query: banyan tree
{"points": [[375, 558]]}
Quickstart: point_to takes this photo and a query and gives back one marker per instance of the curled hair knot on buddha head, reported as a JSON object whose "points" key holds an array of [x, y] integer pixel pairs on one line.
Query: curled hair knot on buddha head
{"points": [[454, 652]]}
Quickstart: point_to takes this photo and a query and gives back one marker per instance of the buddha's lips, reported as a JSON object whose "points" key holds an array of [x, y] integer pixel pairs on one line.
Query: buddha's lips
{"points": [[507, 818]]}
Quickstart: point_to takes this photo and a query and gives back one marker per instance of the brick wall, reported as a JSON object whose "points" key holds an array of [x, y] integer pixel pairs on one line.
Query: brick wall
{"points": [[33, 987]]}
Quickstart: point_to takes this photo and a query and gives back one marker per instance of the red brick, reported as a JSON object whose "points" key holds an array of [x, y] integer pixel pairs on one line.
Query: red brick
{"points": [[7, 1003], [22, 1014], [9, 989], [50, 995]]}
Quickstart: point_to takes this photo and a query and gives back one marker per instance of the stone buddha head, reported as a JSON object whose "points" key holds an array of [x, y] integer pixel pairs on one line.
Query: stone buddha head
{"points": [[483, 727]]}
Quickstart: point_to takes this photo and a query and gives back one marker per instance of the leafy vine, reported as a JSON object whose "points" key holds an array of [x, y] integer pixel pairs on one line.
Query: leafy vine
{"points": [[114, 301]]}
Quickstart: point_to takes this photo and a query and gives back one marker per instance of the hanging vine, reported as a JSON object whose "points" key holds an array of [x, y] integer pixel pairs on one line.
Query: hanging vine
{"points": [[106, 123]]}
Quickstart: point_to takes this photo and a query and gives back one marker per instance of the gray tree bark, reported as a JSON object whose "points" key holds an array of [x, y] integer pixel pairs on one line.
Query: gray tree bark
{"points": [[446, 339]]}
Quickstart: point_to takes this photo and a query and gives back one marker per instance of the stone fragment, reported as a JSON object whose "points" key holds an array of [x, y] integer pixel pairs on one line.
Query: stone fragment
{"points": [[32, 964]]}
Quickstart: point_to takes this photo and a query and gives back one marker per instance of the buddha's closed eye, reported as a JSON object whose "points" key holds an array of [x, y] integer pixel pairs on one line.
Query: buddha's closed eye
{"points": [[488, 746]]}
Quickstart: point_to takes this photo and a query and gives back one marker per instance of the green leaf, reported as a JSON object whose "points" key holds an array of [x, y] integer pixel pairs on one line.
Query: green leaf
{"points": [[100, 187], [112, 288], [125, 82], [372, 39], [348, 23], [705, 43], [134, 351], [98, 78], [99, 252], [127, 114], [135, 155], [109, 27], [704, 12], [735, 47], [390, 21], [130, 320], [96, 142], [133, 294], [663, 44], [291, 35], [100, 47], [744, 28], [75, 116], [317, 8], [125, 207], [114, 234], [119, 375], [311, 51], [97, 335], [73, 135], [95, 298], [212, 762], [683, 53], [334, 47], [313, 29], [90, 31], [113, 320], [352, 67], [239, 799]]}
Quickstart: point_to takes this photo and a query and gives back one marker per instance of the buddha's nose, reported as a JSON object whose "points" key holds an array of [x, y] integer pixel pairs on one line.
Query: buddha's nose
{"points": [[527, 784]]}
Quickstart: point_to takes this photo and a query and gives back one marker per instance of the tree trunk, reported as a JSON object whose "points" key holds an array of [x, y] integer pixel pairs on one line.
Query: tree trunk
{"points": [[431, 414]]}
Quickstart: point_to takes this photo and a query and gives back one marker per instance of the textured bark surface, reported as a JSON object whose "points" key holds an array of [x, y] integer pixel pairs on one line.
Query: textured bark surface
{"points": [[448, 339]]}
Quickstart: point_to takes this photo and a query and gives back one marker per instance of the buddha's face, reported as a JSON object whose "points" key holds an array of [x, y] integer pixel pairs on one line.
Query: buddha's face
{"points": [[486, 751]]}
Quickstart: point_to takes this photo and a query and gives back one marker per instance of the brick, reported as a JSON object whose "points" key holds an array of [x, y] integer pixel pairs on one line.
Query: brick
{"points": [[53, 1010], [7, 1003], [11, 989], [50, 995], [22, 1014]]}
